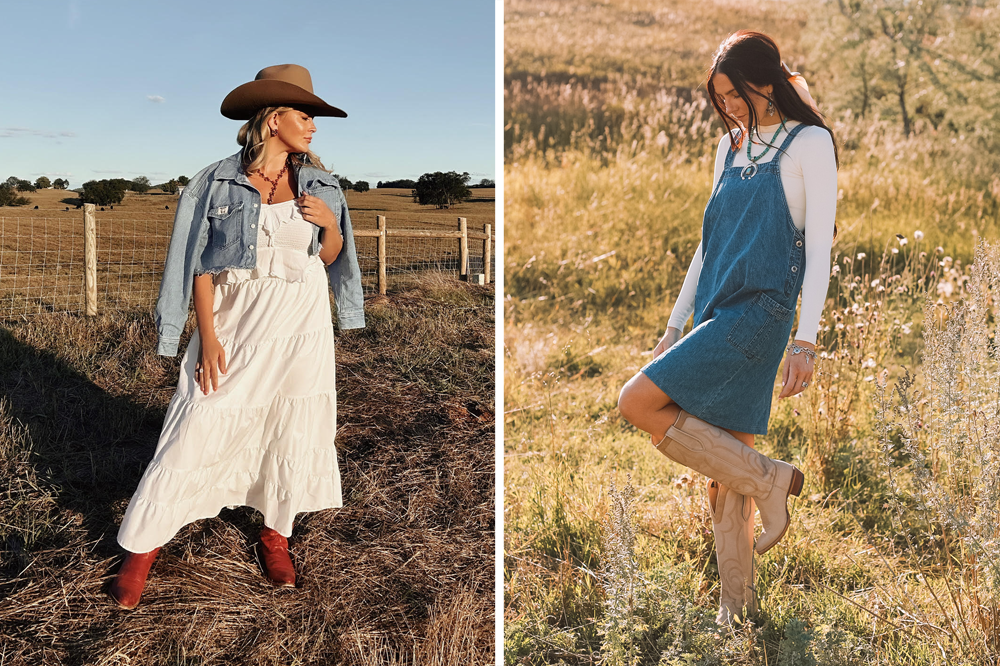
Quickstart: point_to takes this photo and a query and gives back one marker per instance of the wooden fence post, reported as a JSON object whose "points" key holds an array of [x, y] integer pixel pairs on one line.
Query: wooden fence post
{"points": [[382, 280], [90, 258], [463, 250], [486, 253]]}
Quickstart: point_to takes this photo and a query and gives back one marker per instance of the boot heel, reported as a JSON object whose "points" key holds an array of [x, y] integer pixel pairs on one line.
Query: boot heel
{"points": [[797, 481]]}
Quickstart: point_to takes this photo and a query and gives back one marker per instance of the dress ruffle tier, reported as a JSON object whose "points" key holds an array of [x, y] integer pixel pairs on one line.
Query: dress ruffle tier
{"points": [[265, 438]]}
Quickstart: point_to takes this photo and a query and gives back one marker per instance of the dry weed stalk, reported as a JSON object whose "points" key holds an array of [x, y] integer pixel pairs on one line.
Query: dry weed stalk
{"points": [[942, 455], [621, 625]]}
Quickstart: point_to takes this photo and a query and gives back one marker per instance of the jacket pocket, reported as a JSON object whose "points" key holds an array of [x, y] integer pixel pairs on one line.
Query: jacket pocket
{"points": [[754, 331], [225, 224]]}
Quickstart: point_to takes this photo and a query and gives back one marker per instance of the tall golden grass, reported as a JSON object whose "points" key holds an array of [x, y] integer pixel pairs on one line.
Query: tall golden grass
{"points": [[891, 557]]}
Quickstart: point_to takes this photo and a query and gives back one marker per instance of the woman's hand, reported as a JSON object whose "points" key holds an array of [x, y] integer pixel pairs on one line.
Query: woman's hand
{"points": [[212, 362], [316, 211], [668, 340], [798, 371]]}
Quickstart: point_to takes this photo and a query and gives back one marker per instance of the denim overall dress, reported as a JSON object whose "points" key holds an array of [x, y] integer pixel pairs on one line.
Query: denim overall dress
{"points": [[723, 371]]}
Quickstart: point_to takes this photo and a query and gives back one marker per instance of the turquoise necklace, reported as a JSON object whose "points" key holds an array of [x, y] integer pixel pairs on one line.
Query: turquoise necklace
{"points": [[750, 170]]}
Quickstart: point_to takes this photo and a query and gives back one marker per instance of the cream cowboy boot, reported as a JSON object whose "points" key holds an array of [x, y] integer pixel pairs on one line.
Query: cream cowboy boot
{"points": [[717, 454], [732, 523]]}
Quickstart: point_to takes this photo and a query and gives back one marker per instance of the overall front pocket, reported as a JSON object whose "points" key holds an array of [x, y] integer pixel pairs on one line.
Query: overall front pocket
{"points": [[225, 223], [753, 333]]}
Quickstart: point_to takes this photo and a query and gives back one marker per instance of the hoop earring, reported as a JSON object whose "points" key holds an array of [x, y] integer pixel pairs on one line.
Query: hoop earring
{"points": [[770, 106]]}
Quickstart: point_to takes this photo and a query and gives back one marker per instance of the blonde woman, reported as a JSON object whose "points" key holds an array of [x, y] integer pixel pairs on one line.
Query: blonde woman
{"points": [[259, 238], [766, 238]]}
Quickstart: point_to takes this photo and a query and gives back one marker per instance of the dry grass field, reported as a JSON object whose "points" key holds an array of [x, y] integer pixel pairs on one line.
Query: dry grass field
{"points": [[893, 554], [41, 250], [402, 574]]}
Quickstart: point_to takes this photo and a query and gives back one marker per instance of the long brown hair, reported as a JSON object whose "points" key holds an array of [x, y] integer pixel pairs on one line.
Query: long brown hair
{"points": [[748, 56]]}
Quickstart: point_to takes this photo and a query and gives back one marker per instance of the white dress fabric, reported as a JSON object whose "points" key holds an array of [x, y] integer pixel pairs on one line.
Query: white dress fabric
{"points": [[265, 438]]}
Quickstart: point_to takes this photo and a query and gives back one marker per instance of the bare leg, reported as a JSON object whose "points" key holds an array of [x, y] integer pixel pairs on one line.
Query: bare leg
{"points": [[645, 406]]}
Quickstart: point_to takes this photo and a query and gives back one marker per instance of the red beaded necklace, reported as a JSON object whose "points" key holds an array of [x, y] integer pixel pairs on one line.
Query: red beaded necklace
{"points": [[274, 183]]}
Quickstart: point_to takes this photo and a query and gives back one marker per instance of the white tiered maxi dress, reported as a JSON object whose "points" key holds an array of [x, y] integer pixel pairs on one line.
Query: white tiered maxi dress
{"points": [[265, 438]]}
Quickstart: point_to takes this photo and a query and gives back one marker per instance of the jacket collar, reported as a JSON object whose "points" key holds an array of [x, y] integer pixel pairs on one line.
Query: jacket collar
{"points": [[229, 169]]}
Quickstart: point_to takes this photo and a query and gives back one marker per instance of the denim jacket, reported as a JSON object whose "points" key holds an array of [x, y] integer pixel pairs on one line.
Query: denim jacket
{"points": [[215, 228]]}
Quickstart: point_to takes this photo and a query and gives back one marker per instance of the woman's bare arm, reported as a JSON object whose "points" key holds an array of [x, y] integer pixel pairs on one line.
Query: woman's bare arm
{"points": [[213, 356]]}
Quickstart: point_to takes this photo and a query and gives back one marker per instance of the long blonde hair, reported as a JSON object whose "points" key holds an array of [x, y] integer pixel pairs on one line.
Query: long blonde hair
{"points": [[253, 137]]}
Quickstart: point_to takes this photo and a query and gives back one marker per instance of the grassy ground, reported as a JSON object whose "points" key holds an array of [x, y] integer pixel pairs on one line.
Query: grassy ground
{"points": [[892, 555], [402, 574]]}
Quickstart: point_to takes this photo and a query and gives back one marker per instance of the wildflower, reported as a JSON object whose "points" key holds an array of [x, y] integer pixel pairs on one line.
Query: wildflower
{"points": [[869, 378], [945, 288], [869, 363], [918, 235], [895, 250], [874, 284], [835, 270], [839, 327], [906, 328], [861, 255], [939, 250], [902, 239]]}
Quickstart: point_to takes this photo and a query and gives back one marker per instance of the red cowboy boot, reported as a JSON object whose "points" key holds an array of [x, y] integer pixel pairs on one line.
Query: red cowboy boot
{"points": [[127, 585], [277, 564]]}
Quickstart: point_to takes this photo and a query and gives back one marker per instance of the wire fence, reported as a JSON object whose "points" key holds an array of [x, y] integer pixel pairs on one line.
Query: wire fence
{"points": [[43, 260]]}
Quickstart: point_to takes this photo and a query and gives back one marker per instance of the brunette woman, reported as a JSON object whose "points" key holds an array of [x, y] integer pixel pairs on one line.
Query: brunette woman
{"points": [[766, 236]]}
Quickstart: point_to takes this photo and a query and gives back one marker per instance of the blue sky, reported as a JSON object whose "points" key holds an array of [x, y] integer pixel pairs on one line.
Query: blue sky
{"points": [[111, 89]]}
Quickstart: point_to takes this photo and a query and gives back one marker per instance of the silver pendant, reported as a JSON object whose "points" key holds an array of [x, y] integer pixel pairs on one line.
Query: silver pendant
{"points": [[749, 171]]}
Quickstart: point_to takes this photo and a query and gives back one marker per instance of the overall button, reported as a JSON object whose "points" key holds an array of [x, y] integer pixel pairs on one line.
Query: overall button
{"points": [[798, 243], [251, 247], [253, 226], [795, 269], [255, 205]]}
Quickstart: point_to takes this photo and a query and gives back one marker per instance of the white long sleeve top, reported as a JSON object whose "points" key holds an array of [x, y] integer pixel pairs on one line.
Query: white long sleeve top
{"points": [[809, 177]]}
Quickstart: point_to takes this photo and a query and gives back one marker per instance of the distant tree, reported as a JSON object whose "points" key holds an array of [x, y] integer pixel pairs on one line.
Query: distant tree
{"points": [[170, 187], [103, 192], [442, 189], [378, 185], [183, 180], [60, 184], [345, 183], [8, 196], [404, 183], [43, 183], [25, 185], [485, 182], [361, 186], [12, 181], [140, 184]]}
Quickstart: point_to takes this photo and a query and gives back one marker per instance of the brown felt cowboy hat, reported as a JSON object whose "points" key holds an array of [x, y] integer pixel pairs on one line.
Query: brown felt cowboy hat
{"points": [[279, 85]]}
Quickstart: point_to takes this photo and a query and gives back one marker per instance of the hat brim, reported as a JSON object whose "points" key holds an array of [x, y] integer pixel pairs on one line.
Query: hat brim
{"points": [[246, 100]]}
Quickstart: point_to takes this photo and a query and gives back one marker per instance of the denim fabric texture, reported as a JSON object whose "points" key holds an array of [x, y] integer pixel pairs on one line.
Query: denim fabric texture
{"points": [[723, 371], [215, 228]]}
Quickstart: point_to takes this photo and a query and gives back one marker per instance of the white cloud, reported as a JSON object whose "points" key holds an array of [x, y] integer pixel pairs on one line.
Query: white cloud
{"points": [[15, 132], [157, 99]]}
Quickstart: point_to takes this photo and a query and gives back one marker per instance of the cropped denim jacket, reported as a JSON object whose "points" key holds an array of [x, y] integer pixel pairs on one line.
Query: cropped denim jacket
{"points": [[215, 228]]}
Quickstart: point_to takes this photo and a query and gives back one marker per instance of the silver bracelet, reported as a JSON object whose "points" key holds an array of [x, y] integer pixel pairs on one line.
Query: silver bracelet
{"points": [[795, 349]]}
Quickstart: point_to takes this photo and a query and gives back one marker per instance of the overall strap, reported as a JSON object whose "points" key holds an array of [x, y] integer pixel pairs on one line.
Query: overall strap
{"points": [[730, 153], [791, 135]]}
